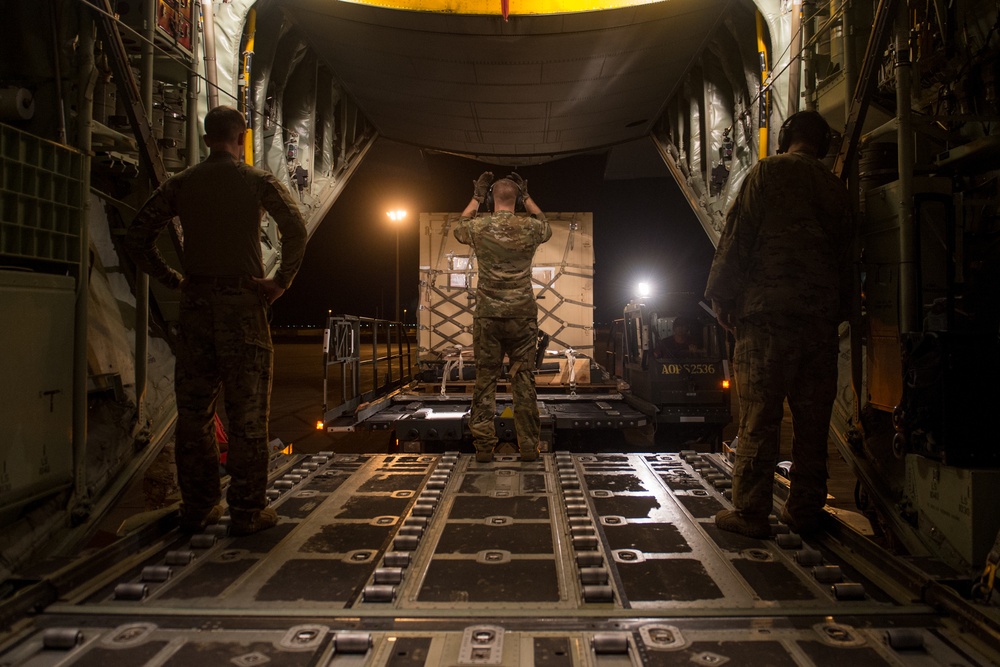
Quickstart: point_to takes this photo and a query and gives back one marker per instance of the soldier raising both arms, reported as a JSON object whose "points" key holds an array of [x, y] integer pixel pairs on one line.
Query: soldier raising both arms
{"points": [[506, 317]]}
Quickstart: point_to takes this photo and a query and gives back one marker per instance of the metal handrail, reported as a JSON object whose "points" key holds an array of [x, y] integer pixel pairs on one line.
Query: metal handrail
{"points": [[373, 358]]}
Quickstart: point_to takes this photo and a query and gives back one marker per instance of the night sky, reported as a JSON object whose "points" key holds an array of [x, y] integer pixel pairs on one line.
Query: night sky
{"points": [[643, 230]]}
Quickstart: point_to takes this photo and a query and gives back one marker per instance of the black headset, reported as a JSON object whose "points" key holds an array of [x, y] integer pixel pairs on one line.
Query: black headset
{"points": [[807, 125], [518, 201]]}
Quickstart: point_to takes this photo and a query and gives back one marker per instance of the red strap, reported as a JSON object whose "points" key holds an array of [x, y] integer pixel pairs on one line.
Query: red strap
{"points": [[220, 432]]}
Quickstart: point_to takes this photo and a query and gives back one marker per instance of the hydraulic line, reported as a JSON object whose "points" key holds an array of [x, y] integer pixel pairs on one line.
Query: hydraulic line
{"points": [[211, 68], [142, 278], [85, 116], [795, 66], [909, 306], [193, 156]]}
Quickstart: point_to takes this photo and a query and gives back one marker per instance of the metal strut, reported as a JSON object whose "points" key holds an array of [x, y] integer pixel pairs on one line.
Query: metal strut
{"points": [[882, 26], [149, 151]]}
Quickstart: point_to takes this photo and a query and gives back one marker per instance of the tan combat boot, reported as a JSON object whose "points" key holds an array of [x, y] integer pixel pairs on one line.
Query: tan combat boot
{"points": [[195, 521], [817, 522], [247, 523], [731, 521]]}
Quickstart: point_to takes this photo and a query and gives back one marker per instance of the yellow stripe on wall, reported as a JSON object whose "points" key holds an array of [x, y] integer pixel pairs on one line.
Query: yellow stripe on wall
{"points": [[517, 7]]}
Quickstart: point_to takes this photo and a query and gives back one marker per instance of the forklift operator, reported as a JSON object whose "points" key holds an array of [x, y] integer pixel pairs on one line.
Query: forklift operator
{"points": [[680, 343]]}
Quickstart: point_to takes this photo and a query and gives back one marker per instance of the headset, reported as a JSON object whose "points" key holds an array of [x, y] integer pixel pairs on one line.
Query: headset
{"points": [[518, 201], [807, 125]]}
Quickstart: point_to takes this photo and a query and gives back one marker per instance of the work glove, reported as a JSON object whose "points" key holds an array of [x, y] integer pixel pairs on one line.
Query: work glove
{"points": [[481, 186], [521, 184]]}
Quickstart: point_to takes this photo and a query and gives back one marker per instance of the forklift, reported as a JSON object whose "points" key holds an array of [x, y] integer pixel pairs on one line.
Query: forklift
{"points": [[674, 362]]}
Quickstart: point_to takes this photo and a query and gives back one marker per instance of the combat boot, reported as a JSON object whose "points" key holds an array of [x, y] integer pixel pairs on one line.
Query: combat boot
{"points": [[817, 523], [195, 521], [247, 523], [731, 521], [484, 455], [529, 455]]}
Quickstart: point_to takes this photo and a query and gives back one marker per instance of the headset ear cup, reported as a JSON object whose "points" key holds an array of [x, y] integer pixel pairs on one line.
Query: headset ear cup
{"points": [[784, 135], [825, 147], [489, 199]]}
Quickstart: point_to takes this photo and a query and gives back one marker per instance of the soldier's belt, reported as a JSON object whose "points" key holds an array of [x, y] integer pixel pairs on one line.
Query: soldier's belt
{"points": [[243, 282], [505, 284]]}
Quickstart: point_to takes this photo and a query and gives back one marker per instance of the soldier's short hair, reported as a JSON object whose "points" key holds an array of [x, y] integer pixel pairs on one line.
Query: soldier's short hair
{"points": [[224, 124], [505, 191], [808, 127]]}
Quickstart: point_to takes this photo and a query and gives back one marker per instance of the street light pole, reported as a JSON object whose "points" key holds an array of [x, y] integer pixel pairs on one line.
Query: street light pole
{"points": [[397, 273], [397, 217]]}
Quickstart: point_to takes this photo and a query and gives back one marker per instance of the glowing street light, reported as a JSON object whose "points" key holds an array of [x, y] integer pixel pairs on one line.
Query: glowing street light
{"points": [[397, 217], [644, 290]]}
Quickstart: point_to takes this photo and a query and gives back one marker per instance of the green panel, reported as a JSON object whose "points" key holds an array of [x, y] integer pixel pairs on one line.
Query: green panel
{"points": [[41, 198]]}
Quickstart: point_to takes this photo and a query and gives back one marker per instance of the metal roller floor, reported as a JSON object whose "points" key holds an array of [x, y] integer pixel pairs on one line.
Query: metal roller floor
{"points": [[599, 559]]}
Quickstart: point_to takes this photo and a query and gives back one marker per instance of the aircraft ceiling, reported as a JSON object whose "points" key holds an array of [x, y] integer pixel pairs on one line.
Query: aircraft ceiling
{"points": [[518, 92]]}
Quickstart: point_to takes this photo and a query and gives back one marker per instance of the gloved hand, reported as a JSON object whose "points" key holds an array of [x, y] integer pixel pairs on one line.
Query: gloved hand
{"points": [[520, 182], [481, 186]]}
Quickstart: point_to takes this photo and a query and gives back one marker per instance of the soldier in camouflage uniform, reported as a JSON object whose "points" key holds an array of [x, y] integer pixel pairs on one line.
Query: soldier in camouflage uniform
{"points": [[224, 336], [781, 282], [506, 317]]}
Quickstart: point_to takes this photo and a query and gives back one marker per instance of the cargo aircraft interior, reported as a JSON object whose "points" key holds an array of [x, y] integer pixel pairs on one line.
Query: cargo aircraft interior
{"points": [[604, 550]]}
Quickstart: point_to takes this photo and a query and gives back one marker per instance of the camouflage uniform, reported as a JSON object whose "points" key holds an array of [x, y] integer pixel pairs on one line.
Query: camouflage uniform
{"points": [[506, 321], [783, 265], [224, 337]]}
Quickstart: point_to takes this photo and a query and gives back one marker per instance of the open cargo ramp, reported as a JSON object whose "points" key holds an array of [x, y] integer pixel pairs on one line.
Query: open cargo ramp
{"points": [[597, 559]]}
